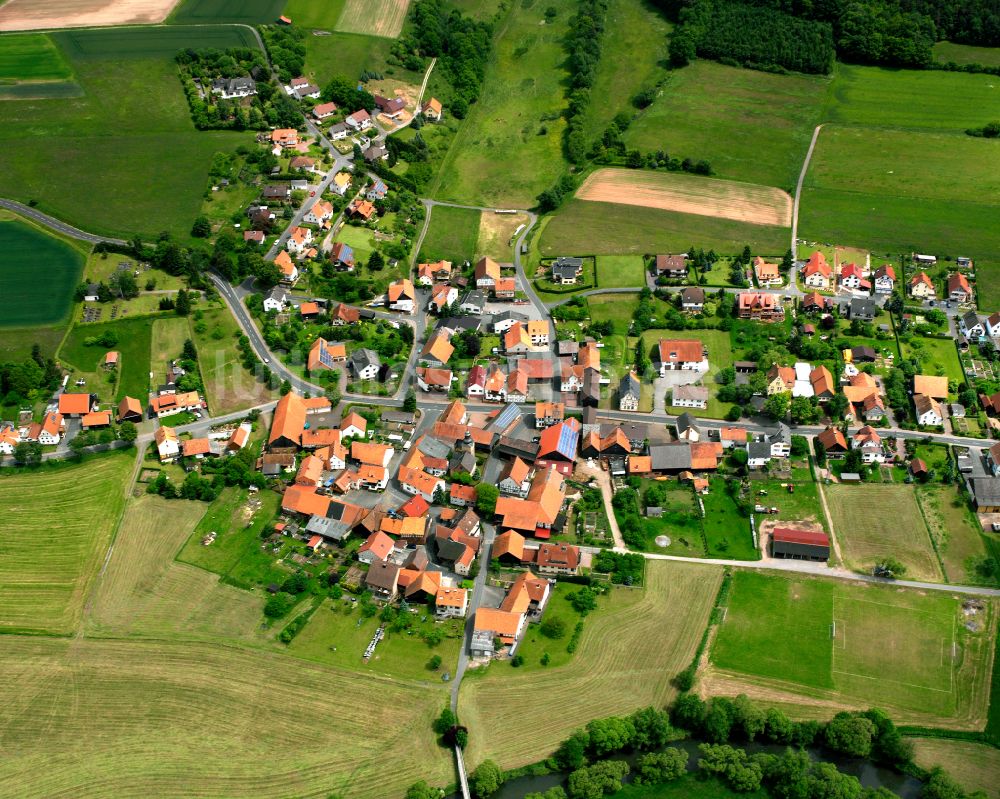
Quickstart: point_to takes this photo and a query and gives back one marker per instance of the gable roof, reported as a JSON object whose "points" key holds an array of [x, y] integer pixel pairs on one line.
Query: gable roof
{"points": [[74, 403], [931, 385], [289, 419], [560, 439]]}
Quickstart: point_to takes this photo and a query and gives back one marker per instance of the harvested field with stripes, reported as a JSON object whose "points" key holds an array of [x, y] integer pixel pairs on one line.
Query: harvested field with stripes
{"points": [[373, 17], [690, 194], [632, 646], [57, 525]]}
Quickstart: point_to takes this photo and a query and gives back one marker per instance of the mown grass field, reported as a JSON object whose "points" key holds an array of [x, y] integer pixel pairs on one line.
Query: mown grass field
{"points": [[31, 57], [910, 99], [631, 648], [58, 523], [321, 16], [30, 254], [966, 54], [144, 592], [247, 12], [124, 157], [632, 59], [690, 786], [750, 126], [975, 766], [877, 521], [496, 232], [509, 148], [108, 719], [134, 337], [612, 229], [619, 308], [926, 667], [620, 271], [228, 386], [452, 235]]}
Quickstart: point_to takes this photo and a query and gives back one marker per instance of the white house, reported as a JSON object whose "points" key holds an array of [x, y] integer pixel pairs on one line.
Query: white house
{"points": [[869, 443], [359, 120], [885, 279], [276, 300], [682, 354], [929, 411], [451, 603], [993, 324], [780, 440], [320, 212], [689, 397], [167, 445], [299, 240], [971, 326]]}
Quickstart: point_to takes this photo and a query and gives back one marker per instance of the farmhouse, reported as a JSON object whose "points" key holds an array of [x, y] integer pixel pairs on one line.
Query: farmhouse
{"points": [[928, 410], [288, 423], [401, 296], [167, 445], [515, 479], [536, 514], [430, 379], [780, 380], [689, 397], [487, 273], [76, 405], [451, 603], [558, 559], [493, 624], [557, 446], [934, 386], [833, 441], [787, 542], [548, 414], [817, 274], [129, 410], [429, 274], [682, 354], [629, 392], [170, 404]]}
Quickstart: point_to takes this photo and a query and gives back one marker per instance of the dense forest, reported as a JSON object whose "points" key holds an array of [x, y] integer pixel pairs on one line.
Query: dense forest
{"points": [[892, 32], [752, 36]]}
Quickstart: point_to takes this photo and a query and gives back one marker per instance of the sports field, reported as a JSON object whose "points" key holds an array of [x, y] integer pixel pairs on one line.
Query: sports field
{"points": [[16, 15], [28, 252], [57, 525], [31, 57], [134, 346], [974, 765], [452, 235], [509, 148], [373, 17], [749, 125], [631, 647], [110, 718], [125, 157], [687, 194], [616, 229], [875, 521], [247, 12], [787, 638]]}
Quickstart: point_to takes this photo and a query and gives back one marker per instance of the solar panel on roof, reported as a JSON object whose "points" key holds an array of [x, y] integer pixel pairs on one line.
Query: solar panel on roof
{"points": [[506, 416], [568, 438]]}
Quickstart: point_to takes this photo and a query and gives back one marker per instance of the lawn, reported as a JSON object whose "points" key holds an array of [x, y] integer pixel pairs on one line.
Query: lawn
{"points": [[937, 356], [974, 765], [534, 645], [350, 54], [144, 592], [134, 336], [31, 57], [228, 386], [619, 308], [632, 59], [933, 193], [727, 531], [830, 657], [112, 718], [123, 158], [58, 523], [612, 229], [631, 648], [337, 635], [247, 12], [681, 521], [751, 126], [802, 505], [875, 521], [955, 530], [912, 99], [451, 235], [360, 239], [509, 148], [24, 298], [966, 54], [167, 341], [620, 271]]}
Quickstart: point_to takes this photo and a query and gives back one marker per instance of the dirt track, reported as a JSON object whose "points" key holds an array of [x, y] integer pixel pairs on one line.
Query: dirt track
{"points": [[688, 194], [23, 15]]}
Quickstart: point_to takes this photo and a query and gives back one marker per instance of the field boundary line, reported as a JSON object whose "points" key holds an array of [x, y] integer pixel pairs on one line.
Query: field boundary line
{"points": [[881, 678], [898, 607]]}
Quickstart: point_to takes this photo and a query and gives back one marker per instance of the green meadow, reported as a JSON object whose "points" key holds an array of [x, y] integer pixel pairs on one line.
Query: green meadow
{"points": [[31, 56], [452, 235], [751, 126], [37, 275], [966, 54], [509, 148], [125, 157], [134, 338], [600, 228]]}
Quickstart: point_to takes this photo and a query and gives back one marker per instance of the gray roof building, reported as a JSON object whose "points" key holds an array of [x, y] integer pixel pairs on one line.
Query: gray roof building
{"points": [[670, 457], [364, 358]]}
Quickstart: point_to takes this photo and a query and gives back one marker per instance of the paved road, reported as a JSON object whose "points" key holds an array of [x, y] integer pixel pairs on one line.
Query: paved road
{"points": [[55, 224], [798, 194], [489, 533]]}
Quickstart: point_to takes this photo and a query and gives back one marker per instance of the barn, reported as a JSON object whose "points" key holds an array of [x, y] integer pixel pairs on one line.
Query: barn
{"points": [[787, 542]]}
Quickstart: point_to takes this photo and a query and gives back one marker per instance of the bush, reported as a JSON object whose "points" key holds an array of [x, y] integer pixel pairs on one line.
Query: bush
{"points": [[279, 605], [553, 627]]}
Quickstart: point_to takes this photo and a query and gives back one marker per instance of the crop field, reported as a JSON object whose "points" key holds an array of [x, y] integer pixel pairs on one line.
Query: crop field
{"points": [[927, 666], [882, 520], [509, 148], [24, 299], [248, 12], [31, 57], [749, 125], [57, 525], [911, 99], [954, 529], [373, 17], [37, 14], [631, 60], [898, 191], [144, 592], [133, 343], [688, 194], [228, 386], [452, 235], [966, 54], [631, 647], [615, 229], [108, 719], [130, 131], [974, 765]]}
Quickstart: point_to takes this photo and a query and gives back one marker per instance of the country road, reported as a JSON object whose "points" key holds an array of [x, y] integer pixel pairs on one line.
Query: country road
{"points": [[54, 224], [798, 192]]}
